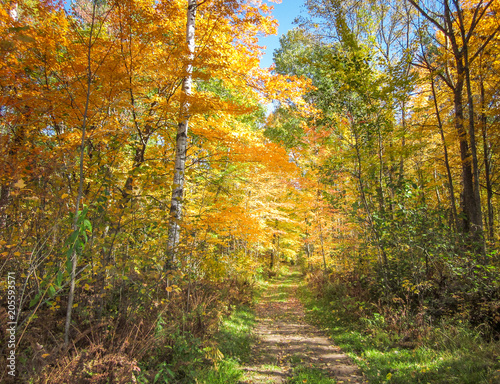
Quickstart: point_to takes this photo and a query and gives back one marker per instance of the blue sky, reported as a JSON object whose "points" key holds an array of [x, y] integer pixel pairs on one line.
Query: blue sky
{"points": [[285, 13]]}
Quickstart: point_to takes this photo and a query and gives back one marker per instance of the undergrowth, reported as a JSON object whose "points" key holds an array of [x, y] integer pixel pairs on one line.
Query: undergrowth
{"points": [[234, 340], [191, 332], [394, 346]]}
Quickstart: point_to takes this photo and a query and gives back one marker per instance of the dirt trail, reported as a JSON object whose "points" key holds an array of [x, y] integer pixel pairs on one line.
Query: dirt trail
{"points": [[284, 340]]}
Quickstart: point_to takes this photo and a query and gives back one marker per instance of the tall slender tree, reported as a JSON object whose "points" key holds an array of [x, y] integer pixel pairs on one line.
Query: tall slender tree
{"points": [[182, 139]]}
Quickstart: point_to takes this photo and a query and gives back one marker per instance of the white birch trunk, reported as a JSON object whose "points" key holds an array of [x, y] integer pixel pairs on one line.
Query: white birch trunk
{"points": [[13, 11], [181, 142]]}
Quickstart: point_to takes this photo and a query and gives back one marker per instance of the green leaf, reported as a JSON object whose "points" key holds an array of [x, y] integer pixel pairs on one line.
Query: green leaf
{"points": [[72, 238], [157, 377], [59, 279], [69, 265], [51, 291], [34, 300], [87, 225]]}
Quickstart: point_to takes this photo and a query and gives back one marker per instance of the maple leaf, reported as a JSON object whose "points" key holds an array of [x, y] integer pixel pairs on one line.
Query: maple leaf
{"points": [[20, 184]]}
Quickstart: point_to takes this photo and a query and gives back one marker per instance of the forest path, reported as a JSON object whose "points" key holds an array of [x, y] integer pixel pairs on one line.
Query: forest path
{"points": [[283, 340]]}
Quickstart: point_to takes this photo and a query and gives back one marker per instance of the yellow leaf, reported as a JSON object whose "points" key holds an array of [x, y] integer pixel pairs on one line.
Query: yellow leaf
{"points": [[169, 289], [75, 305], [64, 195], [20, 184], [45, 355]]}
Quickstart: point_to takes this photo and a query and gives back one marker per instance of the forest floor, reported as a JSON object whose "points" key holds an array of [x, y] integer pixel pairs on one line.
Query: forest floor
{"points": [[284, 344]]}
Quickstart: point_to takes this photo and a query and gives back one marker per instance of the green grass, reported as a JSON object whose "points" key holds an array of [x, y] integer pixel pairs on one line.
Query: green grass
{"points": [[450, 355], [234, 336], [303, 375], [284, 281], [271, 367], [234, 339], [227, 372]]}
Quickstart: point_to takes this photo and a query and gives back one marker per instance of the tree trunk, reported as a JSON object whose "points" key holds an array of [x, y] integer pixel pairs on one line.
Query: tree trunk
{"points": [[469, 209], [487, 165], [322, 247], [446, 159], [181, 142], [13, 10], [271, 260], [468, 203], [478, 235]]}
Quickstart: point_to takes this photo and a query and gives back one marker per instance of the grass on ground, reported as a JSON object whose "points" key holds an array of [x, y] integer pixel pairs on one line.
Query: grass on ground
{"points": [[234, 340], [303, 375], [453, 354]]}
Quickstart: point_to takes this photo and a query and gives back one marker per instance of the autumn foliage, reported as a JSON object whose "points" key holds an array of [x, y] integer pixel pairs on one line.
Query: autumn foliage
{"points": [[377, 165], [400, 154], [103, 80]]}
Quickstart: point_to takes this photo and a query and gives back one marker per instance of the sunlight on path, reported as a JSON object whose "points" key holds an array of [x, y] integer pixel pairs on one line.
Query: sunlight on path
{"points": [[284, 340]]}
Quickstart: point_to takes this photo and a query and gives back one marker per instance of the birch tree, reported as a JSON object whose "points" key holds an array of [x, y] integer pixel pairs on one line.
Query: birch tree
{"points": [[181, 140]]}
